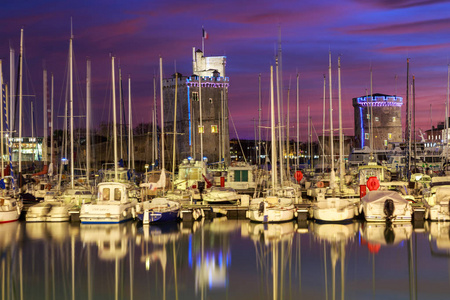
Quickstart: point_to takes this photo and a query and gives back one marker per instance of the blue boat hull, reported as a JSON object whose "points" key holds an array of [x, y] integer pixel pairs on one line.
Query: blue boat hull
{"points": [[159, 217]]}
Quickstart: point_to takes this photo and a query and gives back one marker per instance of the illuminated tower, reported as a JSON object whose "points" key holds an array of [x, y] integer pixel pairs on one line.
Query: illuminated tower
{"points": [[214, 110], [386, 121]]}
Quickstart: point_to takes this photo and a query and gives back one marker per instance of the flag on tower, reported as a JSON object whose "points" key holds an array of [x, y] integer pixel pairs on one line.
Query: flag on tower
{"points": [[205, 34]]}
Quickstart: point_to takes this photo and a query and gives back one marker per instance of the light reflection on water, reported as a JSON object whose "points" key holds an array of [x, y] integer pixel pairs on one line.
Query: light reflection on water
{"points": [[225, 259]]}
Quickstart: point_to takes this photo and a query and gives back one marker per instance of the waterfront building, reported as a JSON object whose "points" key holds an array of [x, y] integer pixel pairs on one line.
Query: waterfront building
{"points": [[382, 113]]}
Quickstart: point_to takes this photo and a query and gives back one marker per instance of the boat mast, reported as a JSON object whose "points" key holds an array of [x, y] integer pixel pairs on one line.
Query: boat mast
{"points": [[331, 125], [120, 114], [341, 136], [298, 123], [154, 137], [88, 117], [45, 119], [130, 128], [51, 121], [272, 131], [323, 123], [200, 114], [20, 102], [280, 136], [259, 120], [12, 90], [72, 171], [287, 133], [162, 113], [407, 119], [114, 119], [175, 126]]}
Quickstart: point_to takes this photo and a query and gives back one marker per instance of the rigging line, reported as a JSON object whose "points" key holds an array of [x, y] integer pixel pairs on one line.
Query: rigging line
{"points": [[318, 140], [237, 136]]}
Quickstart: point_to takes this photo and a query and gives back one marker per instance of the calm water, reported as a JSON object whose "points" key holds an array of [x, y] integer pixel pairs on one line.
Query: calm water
{"points": [[224, 259]]}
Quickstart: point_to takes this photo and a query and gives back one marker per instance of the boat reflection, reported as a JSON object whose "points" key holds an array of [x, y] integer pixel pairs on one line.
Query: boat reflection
{"points": [[336, 236], [273, 245], [439, 238], [385, 234], [10, 237]]}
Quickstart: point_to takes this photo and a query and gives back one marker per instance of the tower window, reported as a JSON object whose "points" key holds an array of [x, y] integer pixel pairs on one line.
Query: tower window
{"points": [[366, 136], [368, 116], [214, 129], [210, 100], [389, 136], [201, 129], [394, 119], [194, 96], [377, 119]]}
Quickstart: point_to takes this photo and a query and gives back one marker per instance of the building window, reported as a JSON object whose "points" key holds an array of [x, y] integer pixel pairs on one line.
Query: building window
{"points": [[210, 100], [368, 116], [194, 96], [366, 136], [394, 119], [377, 119], [385, 143], [214, 129], [201, 129], [390, 136]]}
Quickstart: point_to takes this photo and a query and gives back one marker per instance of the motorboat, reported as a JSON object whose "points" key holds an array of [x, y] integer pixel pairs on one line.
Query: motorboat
{"points": [[158, 210], [437, 199], [115, 203], [385, 206], [10, 209], [220, 195], [335, 209], [271, 209]]}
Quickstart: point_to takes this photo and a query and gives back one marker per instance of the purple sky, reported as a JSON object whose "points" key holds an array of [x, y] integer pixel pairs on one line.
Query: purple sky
{"points": [[379, 33]]}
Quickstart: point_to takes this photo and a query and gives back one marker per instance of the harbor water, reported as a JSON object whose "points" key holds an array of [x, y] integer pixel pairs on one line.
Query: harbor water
{"points": [[225, 259]]}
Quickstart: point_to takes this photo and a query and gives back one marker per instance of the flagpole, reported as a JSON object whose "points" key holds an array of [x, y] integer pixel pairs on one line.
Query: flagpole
{"points": [[203, 40]]}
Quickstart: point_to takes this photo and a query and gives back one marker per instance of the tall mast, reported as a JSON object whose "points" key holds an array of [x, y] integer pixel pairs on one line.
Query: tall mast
{"points": [[45, 119], [12, 91], [72, 170], [116, 171], [341, 135], [298, 123], [51, 121], [120, 115], [130, 126], [323, 122], [154, 138], [287, 134], [407, 116], [200, 114], [272, 131], [175, 126], [331, 123], [162, 112], [414, 120], [88, 116], [372, 135], [20, 100], [280, 144], [259, 119]]}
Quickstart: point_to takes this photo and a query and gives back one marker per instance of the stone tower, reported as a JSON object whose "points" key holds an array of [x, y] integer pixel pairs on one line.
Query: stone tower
{"points": [[387, 120], [209, 71]]}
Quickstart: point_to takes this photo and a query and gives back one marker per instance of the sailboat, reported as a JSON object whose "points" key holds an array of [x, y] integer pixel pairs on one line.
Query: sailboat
{"points": [[56, 208], [116, 201], [10, 206], [342, 205], [272, 208]]}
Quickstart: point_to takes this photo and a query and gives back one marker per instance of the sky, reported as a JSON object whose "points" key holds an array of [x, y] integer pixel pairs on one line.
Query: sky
{"points": [[378, 35]]}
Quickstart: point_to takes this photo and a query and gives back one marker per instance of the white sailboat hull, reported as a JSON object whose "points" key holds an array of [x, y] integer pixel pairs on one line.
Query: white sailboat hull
{"points": [[334, 210]]}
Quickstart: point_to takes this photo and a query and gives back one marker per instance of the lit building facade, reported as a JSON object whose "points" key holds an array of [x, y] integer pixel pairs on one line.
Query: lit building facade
{"points": [[385, 112]]}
